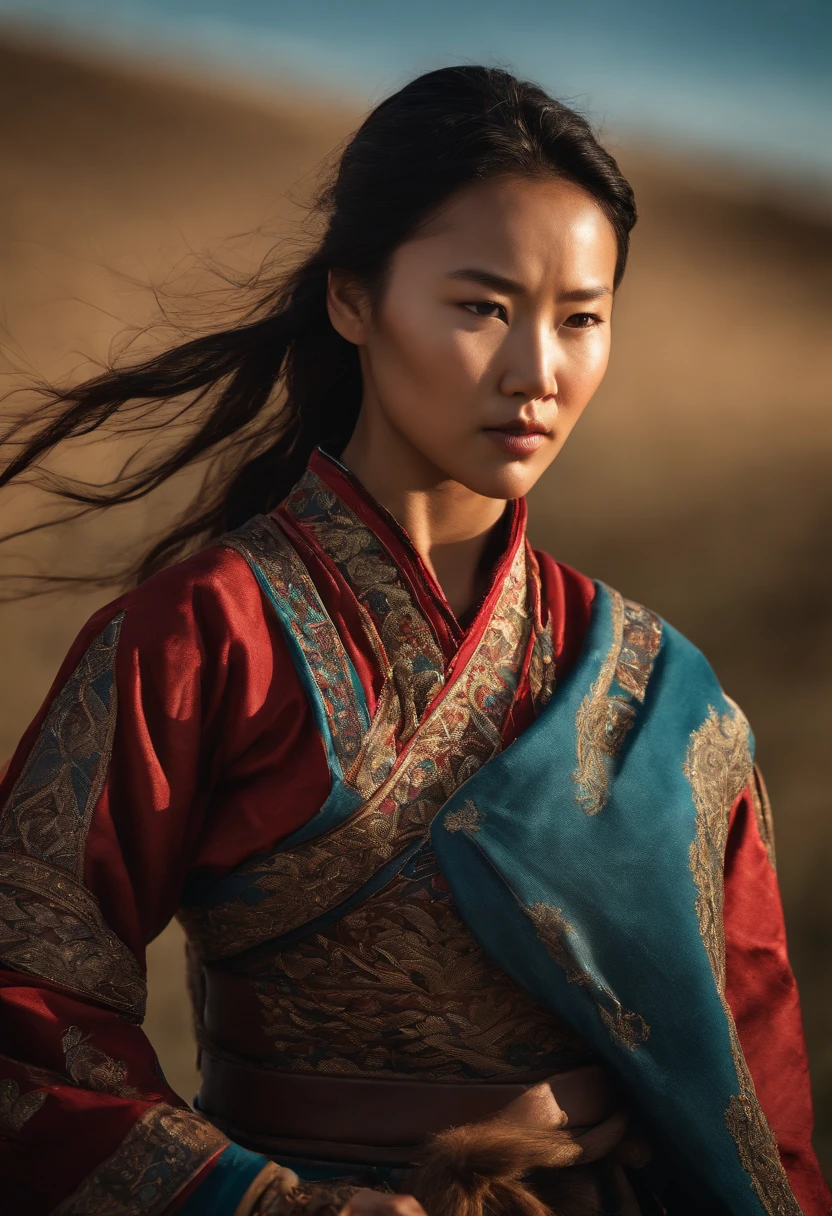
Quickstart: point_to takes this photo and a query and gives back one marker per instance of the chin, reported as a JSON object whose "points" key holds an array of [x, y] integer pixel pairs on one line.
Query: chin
{"points": [[512, 479]]}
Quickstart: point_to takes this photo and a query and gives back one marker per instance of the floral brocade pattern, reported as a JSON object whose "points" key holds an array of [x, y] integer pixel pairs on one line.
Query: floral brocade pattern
{"points": [[718, 766], [263, 542], [417, 667], [161, 1153], [48, 811], [399, 988], [50, 924], [16, 1108], [609, 709]]}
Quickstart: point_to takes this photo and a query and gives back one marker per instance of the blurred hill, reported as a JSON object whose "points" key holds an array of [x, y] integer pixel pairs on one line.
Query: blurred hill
{"points": [[699, 481]]}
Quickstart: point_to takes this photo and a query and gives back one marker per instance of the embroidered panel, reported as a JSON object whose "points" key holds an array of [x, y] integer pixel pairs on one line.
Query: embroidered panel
{"points": [[718, 765], [299, 606], [51, 926], [91, 1068], [461, 733], [48, 812], [416, 662], [625, 1028], [159, 1156], [16, 1109], [609, 709], [399, 988]]}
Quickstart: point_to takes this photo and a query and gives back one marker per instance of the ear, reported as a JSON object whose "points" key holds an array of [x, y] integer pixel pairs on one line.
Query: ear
{"points": [[348, 307]]}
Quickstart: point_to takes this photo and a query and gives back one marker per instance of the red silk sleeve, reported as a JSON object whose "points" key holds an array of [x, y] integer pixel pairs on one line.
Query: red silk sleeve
{"points": [[763, 997], [152, 757]]}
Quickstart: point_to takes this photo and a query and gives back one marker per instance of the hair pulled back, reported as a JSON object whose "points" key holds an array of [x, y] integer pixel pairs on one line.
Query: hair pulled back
{"points": [[262, 394]]}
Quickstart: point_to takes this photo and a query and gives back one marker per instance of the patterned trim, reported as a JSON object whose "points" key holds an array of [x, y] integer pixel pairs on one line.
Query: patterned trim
{"points": [[608, 711], [762, 809], [51, 926], [16, 1109], [416, 662], [717, 765], [462, 732], [49, 809], [332, 683], [625, 1028], [91, 1068], [159, 1156]]}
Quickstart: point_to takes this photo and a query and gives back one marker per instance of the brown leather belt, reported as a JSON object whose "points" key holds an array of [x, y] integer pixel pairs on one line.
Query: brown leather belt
{"points": [[368, 1120]]}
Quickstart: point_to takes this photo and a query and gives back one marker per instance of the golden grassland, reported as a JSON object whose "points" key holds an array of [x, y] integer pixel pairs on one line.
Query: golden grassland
{"points": [[698, 481]]}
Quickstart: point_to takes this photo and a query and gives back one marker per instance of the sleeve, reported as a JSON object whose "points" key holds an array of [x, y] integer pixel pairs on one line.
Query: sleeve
{"points": [[763, 997], [102, 805]]}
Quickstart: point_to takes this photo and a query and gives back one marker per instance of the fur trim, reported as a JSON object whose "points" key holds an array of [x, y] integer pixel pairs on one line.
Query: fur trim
{"points": [[478, 1169]]}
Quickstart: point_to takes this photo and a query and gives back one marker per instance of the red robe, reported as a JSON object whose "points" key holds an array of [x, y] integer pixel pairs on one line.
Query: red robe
{"points": [[212, 725]]}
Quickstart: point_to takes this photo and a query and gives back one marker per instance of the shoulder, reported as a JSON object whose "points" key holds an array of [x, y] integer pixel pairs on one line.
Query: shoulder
{"points": [[589, 614], [194, 611]]}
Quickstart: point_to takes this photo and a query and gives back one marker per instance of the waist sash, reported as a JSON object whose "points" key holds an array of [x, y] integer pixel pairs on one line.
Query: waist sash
{"points": [[309, 1115]]}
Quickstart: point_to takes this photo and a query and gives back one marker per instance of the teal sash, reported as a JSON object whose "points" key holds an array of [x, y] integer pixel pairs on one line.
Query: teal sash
{"points": [[612, 915]]}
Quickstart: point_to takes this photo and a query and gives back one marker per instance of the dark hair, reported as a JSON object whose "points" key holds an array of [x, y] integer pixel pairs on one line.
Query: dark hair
{"points": [[261, 395]]}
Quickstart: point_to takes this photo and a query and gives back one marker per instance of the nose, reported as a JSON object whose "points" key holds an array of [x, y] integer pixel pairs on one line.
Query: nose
{"points": [[531, 370]]}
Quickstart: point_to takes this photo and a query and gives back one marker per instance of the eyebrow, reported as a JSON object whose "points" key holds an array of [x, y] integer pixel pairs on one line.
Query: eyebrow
{"points": [[510, 287]]}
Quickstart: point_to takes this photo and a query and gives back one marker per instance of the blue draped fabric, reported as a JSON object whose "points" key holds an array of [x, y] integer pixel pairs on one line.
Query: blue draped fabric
{"points": [[602, 916]]}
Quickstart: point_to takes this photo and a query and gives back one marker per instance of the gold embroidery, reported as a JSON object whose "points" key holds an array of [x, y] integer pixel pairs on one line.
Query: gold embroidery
{"points": [[718, 765], [604, 718], [467, 819], [48, 812], [91, 1068], [17, 1109], [462, 732], [625, 1028], [399, 988], [762, 810], [159, 1156], [417, 666], [263, 541], [51, 926]]}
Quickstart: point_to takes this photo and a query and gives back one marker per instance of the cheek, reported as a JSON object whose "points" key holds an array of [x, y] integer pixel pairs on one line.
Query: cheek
{"points": [[420, 352], [583, 370]]}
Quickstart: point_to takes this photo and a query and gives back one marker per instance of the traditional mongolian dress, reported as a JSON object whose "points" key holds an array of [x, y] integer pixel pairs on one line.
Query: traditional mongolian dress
{"points": [[420, 865]]}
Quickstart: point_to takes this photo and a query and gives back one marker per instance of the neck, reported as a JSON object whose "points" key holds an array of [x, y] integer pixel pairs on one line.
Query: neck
{"points": [[449, 525]]}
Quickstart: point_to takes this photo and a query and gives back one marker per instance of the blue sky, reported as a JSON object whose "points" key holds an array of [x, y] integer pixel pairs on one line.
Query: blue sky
{"points": [[748, 78]]}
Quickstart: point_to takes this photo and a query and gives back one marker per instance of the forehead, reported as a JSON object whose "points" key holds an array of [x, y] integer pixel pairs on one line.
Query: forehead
{"points": [[538, 225]]}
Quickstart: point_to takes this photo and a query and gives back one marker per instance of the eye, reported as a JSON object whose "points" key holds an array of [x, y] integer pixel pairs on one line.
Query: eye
{"points": [[583, 320], [486, 308]]}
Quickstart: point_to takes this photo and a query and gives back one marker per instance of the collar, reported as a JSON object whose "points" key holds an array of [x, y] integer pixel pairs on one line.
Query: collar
{"points": [[421, 583]]}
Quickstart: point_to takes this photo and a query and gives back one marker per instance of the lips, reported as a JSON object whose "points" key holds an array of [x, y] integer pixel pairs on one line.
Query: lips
{"points": [[518, 438]]}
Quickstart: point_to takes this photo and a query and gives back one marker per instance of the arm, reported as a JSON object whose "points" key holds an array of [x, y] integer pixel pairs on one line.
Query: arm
{"points": [[103, 806], [763, 997]]}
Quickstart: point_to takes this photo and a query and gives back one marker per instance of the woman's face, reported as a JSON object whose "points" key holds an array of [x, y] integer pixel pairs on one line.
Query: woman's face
{"points": [[491, 337]]}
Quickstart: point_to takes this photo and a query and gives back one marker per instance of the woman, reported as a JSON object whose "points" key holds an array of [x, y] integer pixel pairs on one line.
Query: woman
{"points": [[475, 866]]}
